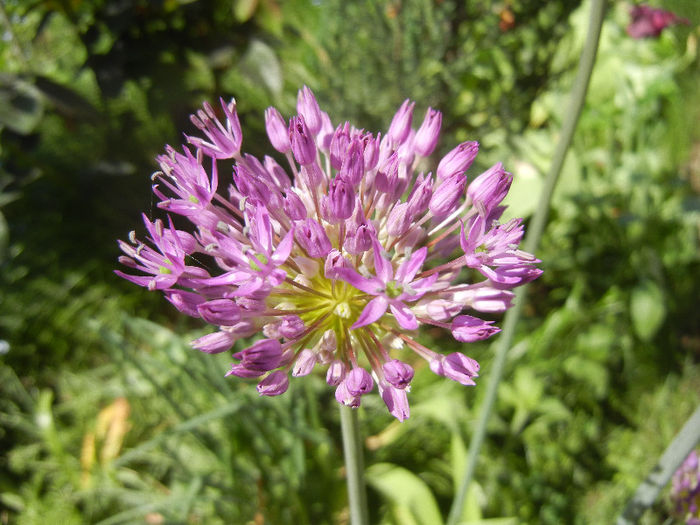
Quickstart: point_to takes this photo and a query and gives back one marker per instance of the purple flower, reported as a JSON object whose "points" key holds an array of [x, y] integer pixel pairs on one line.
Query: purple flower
{"points": [[390, 292], [336, 258], [224, 139], [495, 254], [648, 22], [685, 489]]}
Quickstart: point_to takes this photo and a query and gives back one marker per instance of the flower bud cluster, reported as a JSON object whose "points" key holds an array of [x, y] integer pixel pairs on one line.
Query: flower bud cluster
{"points": [[338, 261]]}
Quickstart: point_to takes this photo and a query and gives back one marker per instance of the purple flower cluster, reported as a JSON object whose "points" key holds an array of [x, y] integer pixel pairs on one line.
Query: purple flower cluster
{"points": [[685, 490], [339, 264], [649, 22]]}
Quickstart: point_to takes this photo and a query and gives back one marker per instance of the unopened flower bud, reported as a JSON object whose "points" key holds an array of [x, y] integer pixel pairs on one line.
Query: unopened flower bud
{"points": [[353, 167], [358, 381], [468, 329], [458, 160], [401, 123], [263, 355], [446, 197], [307, 107], [399, 220], [396, 401], [304, 363], [342, 199], [398, 373], [303, 146], [220, 312], [334, 261], [371, 150], [291, 327], [420, 196], [336, 372], [427, 135], [275, 384], [312, 237], [489, 189], [294, 206], [339, 145], [185, 302], [277, 173], [214, 343], [323, 140], [344, 397], [277, 130], [460, 368]]}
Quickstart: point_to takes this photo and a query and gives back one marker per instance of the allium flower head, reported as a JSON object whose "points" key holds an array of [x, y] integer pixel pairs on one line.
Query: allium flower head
{"points": [[340, 260], [685, 490]]}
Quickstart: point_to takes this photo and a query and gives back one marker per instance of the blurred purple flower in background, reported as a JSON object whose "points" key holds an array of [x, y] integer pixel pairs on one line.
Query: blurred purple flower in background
{"points": [[648, 22], [339, 265], [685, 490]]}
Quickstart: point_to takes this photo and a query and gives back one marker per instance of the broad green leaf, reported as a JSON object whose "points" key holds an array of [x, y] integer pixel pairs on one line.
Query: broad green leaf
{"points": [[648, 309], [524, 191], [261, 64], [410, 498]]}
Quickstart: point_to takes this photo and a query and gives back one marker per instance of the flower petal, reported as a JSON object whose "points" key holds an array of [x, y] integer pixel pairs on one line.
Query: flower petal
{"points": [[404, 316], [373, 311], [371, 286], [382, 266], [284, 248], [409, 268]]}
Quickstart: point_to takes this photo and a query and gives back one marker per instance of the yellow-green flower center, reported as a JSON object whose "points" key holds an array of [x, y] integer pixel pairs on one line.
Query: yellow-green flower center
{"points": [[394, 289], [324, 304], [261, 259]]}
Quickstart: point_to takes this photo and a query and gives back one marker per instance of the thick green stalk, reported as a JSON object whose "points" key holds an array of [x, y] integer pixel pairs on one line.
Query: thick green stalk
{"points": [[354, 467], [535, 229]]}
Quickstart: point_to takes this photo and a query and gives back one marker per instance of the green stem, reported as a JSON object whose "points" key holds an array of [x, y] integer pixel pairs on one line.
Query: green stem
{"points": [[352, 449], [670, 460], [535, 230]]}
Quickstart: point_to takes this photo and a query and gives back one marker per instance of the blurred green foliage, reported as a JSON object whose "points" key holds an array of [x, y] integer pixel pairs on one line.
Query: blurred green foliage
{"points": [[108, 418]]}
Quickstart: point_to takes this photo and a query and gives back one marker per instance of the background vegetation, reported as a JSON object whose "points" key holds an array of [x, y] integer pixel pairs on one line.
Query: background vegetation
{"points": [[108, 416]]}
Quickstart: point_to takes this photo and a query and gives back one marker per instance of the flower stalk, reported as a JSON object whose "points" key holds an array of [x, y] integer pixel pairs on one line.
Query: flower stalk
{"points": [[535, 230], [354, 466]]}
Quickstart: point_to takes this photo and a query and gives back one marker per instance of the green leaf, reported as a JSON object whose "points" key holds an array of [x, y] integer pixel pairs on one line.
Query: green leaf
{"points": [[410, 498], [261, 64], [65, 100], [648, 309], [21, 107], [243, 10]]}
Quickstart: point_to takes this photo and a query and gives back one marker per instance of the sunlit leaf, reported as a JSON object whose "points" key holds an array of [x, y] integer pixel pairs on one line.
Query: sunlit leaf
{"points": [[648, 309], [411, 500]]}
